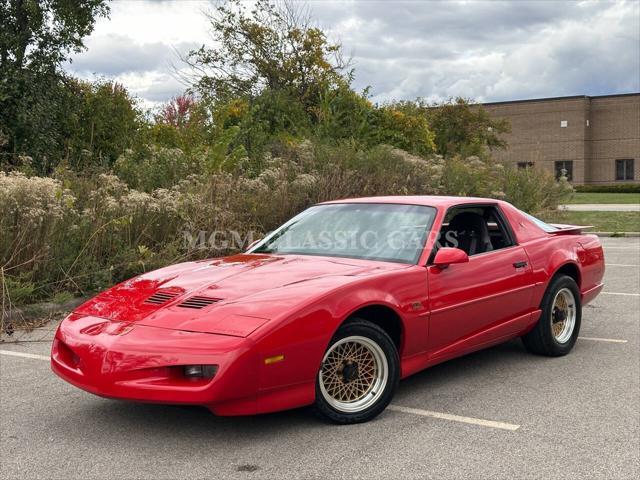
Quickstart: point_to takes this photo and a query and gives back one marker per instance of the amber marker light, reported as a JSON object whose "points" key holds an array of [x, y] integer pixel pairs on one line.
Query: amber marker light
{"points": [[274, 359]]}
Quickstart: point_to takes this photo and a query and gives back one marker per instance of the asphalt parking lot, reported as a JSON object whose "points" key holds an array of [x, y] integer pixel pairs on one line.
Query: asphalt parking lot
{"points": [[497, 413]]}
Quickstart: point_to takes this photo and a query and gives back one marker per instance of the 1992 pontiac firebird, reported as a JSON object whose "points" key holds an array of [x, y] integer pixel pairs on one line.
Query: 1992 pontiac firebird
{"points": [[335, 307]]}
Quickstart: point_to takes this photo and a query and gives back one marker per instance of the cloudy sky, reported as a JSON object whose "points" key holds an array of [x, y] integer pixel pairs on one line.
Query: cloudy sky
{"points": [[486, 50]]}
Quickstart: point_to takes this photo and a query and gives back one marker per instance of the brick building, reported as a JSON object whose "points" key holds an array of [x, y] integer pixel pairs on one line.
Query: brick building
{"points": [[595, 139]]}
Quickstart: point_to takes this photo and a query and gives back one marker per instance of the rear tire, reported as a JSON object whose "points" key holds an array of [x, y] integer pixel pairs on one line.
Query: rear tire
{"points": [[557, 330], [359, 374]]}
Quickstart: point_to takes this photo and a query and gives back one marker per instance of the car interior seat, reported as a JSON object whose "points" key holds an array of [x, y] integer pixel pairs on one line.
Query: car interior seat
{"points": [[471, 232]]}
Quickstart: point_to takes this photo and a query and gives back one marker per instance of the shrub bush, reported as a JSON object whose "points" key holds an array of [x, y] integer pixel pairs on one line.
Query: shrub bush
{"points": [[157, 167], [534, 190], [623, 188], [83, 233]]}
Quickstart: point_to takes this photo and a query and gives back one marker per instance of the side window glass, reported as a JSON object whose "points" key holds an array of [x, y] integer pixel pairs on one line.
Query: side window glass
{"points": [[475, 230], [500, 238]]}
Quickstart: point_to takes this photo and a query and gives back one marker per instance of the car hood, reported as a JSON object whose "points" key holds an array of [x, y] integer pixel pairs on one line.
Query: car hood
{"points": [[231, 295]]}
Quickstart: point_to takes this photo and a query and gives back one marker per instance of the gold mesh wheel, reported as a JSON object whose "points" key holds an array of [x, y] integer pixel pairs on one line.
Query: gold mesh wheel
{"points": [[563, 315], [354, 373]]}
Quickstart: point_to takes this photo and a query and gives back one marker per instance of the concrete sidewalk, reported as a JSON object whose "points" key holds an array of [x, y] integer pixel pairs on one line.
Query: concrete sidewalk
{"points": [[601, 207]]}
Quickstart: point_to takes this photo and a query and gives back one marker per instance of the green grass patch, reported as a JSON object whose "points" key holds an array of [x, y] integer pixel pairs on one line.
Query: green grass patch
{"points": [[602, 221], [588, 197]]}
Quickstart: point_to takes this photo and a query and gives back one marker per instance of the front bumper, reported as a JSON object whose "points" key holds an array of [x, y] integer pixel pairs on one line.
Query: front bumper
{"points": [[140, 363]]}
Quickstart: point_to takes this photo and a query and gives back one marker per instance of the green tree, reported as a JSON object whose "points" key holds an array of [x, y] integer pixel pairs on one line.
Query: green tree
{"points": [[104, 122], [265, 46], [408, 130], [183, 122], [36, 36], [462, 128]]}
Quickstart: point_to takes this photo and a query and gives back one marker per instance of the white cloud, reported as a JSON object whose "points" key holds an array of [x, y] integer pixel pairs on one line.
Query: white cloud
{"points": [[114, 54], [489, 51]]}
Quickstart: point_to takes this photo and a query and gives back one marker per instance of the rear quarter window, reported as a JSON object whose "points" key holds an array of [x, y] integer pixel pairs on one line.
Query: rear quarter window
{"points": [[540, 224]]}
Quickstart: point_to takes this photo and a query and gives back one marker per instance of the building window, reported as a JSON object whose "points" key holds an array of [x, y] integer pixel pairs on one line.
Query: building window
{"points": [[564, 167], [524, 165], [624, 169]]}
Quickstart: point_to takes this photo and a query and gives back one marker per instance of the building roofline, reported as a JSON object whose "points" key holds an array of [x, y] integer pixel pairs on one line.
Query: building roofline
{"points": [[570, 97]]}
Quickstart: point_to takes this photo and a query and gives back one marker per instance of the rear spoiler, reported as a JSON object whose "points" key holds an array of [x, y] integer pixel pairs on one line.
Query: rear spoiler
{"points": [[569, 229]]}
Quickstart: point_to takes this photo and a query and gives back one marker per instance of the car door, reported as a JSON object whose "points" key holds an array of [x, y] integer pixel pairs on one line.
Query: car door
{"points": [[478, 303]]}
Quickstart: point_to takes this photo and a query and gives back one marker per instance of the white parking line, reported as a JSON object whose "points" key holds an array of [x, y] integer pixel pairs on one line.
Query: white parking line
{"points": [[454, 418], [621, 293], [396, 408], [621, 265], [11, 353], [598, 339]]}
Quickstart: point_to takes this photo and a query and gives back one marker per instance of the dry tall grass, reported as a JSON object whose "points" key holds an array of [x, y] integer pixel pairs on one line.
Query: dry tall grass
{"points": [[76, 234]]}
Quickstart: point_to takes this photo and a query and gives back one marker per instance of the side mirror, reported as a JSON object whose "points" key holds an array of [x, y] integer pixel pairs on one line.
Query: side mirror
{"points": [[446, 256]]}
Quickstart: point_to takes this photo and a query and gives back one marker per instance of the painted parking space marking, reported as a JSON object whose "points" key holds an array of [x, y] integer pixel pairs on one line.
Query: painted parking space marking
{"points": [[621, 293], [395, 408], [598, 339], [454, 418], [621, 265], [33, 356]]}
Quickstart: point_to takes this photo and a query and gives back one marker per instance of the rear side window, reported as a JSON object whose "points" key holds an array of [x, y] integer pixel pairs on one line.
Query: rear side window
{"points": [[544, 226]]}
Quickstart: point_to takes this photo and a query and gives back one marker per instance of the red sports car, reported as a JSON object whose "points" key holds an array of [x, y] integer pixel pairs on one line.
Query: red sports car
{"points": [[334, 307]]}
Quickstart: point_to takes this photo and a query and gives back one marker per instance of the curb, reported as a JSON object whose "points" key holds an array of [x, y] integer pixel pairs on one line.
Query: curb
{"points": [[616, 234], [43, 308]]}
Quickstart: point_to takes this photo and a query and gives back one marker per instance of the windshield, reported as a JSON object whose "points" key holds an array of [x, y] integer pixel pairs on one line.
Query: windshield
{"points": [[387, 232]]}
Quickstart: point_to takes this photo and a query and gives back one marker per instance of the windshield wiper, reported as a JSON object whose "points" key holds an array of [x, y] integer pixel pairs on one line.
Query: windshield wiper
{"points": [[265, 250]]}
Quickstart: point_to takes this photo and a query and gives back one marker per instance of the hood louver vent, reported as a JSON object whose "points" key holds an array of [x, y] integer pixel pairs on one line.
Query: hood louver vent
{"points": [[160, 298], [198, 302]]}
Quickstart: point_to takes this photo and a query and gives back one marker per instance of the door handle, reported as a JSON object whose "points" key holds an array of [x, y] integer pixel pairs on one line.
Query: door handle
{"points": [[520, 264]]}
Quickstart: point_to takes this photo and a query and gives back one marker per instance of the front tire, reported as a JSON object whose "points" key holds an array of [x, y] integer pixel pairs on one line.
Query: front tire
{"points": [[557, 330], [359, 374]]}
